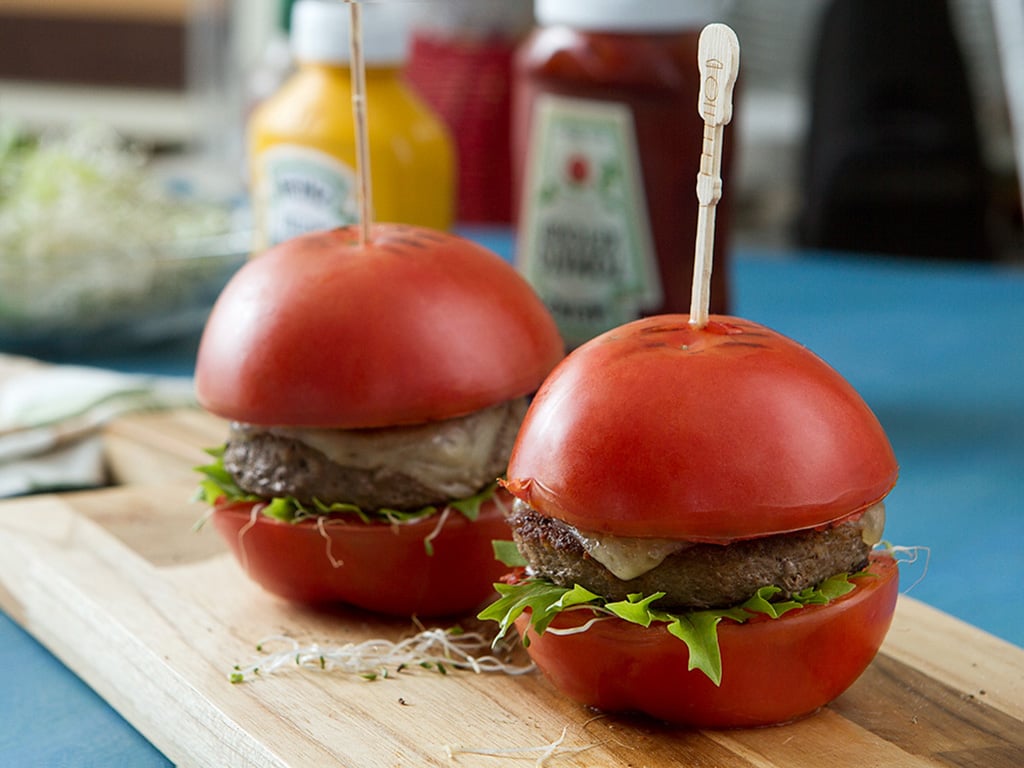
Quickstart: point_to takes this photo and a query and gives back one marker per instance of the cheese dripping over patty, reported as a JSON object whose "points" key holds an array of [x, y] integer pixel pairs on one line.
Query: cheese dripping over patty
{"points": [[456, 456], [629, 557]]}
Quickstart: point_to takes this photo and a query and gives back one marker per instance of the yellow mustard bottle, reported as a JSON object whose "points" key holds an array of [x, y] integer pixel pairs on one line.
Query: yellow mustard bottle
{"points": [[301, 140]]}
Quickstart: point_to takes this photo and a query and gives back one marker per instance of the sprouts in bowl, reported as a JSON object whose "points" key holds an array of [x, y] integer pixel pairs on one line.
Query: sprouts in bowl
{"points": [[96, 251]]}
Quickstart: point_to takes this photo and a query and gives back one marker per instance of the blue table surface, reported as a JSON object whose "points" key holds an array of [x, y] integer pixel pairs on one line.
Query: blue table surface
{"points": [[936, 349]]}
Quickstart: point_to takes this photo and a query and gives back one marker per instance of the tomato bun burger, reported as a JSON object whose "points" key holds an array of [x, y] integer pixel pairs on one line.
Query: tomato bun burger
{"points": [[696, 513], [373, 392]]}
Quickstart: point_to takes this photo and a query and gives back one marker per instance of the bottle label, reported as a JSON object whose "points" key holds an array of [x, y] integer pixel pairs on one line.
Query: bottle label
{"points": [[584, 236], [302, 190]]}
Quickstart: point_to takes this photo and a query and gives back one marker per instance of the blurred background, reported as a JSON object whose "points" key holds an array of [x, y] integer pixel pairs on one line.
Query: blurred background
{"points": [[847, 112], [181, 75]]}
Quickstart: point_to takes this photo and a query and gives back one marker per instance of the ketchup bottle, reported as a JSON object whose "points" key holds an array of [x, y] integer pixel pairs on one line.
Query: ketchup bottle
{"points": [[607, 142]]}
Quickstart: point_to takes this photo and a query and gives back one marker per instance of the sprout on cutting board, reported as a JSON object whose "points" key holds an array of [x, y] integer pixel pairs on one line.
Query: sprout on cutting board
{"points": [[433, 649]]}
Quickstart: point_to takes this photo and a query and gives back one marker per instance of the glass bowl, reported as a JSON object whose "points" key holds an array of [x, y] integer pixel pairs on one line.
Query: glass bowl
{"points": [[113, 302]]}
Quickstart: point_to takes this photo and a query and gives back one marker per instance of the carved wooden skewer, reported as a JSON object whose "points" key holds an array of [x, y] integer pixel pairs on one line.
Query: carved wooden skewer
{"points": [[718, 56], [363, 185]]}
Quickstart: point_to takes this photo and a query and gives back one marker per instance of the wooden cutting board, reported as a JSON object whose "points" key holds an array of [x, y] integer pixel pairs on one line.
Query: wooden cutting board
{"points": [[155, 616]]}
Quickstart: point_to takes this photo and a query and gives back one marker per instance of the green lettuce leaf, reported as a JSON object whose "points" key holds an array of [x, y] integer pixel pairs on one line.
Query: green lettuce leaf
{"points": [[635, 608], [217, 483], [544, 599], [507, 553], [697, 629]]}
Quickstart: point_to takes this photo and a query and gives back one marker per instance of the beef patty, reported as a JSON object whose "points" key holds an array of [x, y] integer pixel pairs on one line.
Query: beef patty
{"points": [[399, 468], [698, 575]]}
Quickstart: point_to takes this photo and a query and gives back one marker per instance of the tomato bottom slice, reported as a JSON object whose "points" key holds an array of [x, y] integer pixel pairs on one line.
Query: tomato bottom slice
{"points": [[377, 566], [773, 670]]}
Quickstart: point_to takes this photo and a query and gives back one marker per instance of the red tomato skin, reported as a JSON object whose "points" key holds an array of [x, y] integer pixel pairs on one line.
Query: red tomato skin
{"points": [[383, 568], [657, 429], [416, 326], [773, 670]]}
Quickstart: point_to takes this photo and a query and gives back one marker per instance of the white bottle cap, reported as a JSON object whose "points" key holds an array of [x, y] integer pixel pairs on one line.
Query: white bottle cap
{"points": [[320, 32], [628, 15]]}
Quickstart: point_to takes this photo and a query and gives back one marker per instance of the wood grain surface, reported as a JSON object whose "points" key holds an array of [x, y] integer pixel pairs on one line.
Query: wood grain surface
{"points": [[154, 616]]}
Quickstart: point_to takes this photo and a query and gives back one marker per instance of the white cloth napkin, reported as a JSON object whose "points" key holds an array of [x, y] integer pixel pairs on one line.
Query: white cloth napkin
{"points": [[51, 417]]}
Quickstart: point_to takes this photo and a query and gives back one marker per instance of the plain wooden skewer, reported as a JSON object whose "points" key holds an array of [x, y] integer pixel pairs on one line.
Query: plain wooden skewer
{"points": [[358, 69], [718, 56]]}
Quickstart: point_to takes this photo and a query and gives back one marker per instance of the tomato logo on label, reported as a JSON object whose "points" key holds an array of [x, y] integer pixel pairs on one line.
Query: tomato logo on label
{"points": [[578, 169]]}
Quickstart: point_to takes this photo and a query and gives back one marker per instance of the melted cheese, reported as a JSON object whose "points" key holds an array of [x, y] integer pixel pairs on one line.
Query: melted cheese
{"points": [[628, 558], [872, 523], [455, 457], [625, 557]]}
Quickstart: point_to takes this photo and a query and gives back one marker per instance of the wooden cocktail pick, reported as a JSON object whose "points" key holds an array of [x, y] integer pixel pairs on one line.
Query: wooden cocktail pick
{"points": [[358, 66], [718, 56]]}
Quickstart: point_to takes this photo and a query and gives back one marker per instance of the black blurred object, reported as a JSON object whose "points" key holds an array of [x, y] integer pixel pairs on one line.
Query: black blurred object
{"points": [[892, 162]]}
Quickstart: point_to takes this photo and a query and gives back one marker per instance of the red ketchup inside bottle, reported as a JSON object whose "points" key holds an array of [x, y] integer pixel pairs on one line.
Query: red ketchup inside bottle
{"points": [[607, 142]]}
